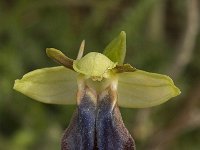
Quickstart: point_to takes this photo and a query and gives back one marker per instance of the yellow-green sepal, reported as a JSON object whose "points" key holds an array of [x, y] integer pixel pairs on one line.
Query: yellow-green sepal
{"points": [[141, 89], [116, 49], [55, 85]]}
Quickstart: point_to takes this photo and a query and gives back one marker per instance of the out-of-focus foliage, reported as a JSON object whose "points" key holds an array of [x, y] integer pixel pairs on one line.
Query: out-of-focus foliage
{"points": [[155, 29]]}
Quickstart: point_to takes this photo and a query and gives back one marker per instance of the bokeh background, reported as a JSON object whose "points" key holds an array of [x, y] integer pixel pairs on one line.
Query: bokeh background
{"points": [[162, 36]]}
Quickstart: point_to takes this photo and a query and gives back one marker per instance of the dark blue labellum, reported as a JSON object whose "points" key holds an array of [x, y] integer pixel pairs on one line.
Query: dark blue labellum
{"points": [[97, 126]]}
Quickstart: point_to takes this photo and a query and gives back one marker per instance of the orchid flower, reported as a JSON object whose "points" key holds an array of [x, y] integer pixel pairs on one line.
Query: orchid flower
{"points": [[97, 83]]}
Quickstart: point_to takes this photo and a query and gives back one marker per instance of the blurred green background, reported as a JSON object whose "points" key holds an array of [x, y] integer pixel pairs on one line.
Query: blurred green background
{"points": [[162, 36]]}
